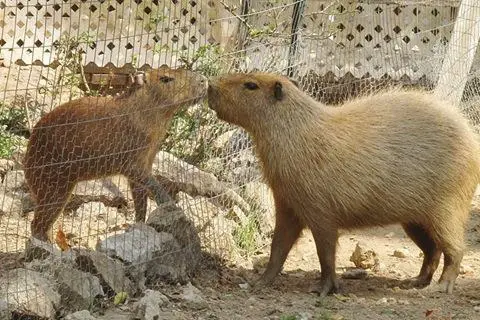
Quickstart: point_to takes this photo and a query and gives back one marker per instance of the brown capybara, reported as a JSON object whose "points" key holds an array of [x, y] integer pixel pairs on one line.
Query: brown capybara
{"points": [[94, 137], [398, 157]]}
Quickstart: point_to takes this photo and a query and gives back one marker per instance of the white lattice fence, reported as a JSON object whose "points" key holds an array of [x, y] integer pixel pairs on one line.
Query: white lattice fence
{"points": [[120, 31]]}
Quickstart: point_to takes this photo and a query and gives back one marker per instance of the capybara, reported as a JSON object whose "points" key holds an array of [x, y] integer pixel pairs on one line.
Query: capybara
{"points": [[94, 137], [397, 157]]}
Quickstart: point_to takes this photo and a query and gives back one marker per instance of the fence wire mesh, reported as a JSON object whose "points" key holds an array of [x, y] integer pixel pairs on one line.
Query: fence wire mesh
{"points": [[91, 158]]}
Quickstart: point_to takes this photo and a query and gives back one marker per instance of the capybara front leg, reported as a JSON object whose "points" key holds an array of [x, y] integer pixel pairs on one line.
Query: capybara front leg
{"points": [[140, 198], [326, 243], [431, 255], [287, 230], [159, 193]]}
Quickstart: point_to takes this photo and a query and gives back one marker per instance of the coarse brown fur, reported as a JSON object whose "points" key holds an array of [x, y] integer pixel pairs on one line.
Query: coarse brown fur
{"points": [[398, 157], [94, 137]]}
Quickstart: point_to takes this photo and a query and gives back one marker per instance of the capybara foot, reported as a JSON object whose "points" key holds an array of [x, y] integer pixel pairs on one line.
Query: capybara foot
{"points": [[446, 285], [265, 280], [325, 287], [448, 277], [415, 282]]}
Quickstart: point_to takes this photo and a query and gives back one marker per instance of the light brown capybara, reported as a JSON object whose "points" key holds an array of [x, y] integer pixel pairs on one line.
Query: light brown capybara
{"points": [[398, 157], [94, 137]]}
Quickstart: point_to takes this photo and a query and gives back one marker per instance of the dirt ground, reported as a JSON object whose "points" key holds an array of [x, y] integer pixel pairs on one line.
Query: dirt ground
{"points": [[376, 297]]}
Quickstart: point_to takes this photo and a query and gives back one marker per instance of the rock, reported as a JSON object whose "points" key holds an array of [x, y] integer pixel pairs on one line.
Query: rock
{"points": [[401, 253], [178, 175], [149, 306], [192, 297], [244, 286], [236, 214], [175, 222], [92, 221], [145, 249], [363, 258], [80, 315], [5, 313], [217, 237], [403, 302], [355, 274], [77, 288], [94, 209], [199, 210], [29, 292], [112, 272], [222, 142], [6, 165], [37, 249], [14, 180], [10, 205], [112, 191], [238, 141], [28, 204], [260, 194], [381, 301], [476, 308], [215, 165], [242, 167]]}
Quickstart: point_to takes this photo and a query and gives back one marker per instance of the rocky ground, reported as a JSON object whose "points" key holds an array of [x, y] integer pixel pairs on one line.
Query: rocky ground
{"points": [[222, 294]]}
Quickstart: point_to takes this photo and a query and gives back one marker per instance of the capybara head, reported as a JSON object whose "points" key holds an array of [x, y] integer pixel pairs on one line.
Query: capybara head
{"points": [[247, 99], [172, 86]]}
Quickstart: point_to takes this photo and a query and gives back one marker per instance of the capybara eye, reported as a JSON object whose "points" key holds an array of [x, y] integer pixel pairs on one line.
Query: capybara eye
{"points": [[166, 79], [251, 85]]}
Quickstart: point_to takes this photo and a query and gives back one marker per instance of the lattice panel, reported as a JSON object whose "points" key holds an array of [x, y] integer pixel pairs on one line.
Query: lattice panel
{"points": [[376, 39], [117, 32]]}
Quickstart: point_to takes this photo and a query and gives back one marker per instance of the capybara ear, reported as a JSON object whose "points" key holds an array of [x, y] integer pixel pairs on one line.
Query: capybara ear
{"points": [[278, 91]]}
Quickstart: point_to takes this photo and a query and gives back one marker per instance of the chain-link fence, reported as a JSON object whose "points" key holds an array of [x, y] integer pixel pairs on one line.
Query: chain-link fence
{"points": [[140, 127]]}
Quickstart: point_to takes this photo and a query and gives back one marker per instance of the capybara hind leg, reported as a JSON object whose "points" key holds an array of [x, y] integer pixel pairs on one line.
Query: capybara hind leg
{"points": [[287, 230], [140, 198], [48, 207], [452, 246], [451, 268], [326, 243], [431, 255]]}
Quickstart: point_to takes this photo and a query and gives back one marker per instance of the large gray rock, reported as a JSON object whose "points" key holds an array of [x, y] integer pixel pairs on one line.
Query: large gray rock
{"points": [[112, 271], [192, 297], [38, 249], [29, 292], [146, 250], [149, 306], [175, 222], [77, 288]]}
